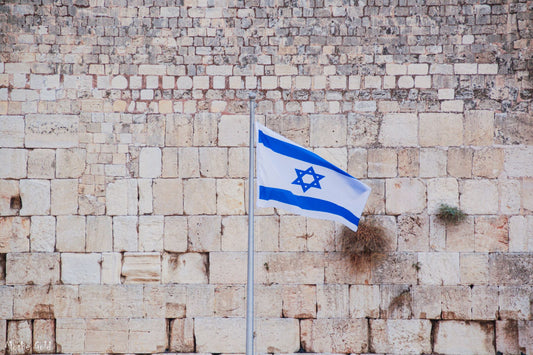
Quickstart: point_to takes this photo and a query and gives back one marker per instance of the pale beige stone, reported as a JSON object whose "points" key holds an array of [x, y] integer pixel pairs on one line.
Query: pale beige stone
{"points": [[460, 237], [327, 130], [51, 131], [230, 301], [169, 164], [220, 335], [491, 234], [80, 268], [432, 162], [12, 131], [199, 196], [150, 162], [456, 302], [396, 301], [293, 233], [213, 161], [357, 163], [299, 301], [122, 197], [42, 233], [200, 301], [442, 191], [111, 268], [125, 233], [405, 196], [227, 267], [510, 196], [479, 128], [151, 231], [382, 163], [41, 163], [401, 336], [507, 337], [278, 335], [19, 337], [233, 130], [175, 234], [266, 233], [518, 162], [204, 233], [234, 233], [399, 129], [332, 301], [426, 302], [70, 163], [514, 302], [279, 268], [141, 267], [413, 233], [64, 197], [70, 335], [182, 335], [189, 165], [474, 268], [188, 268], [178, 129], [364, 301], [147, 335], [438, 129], [439, 268], [485, 302], [479, 197], [44, 336], [35, 196], [230, 197], [70, 233], [9, 197], [205, 129], [459, 337], [376, 201], [34, 268], [521, 234], [488, 162], [460, 162], [14, 234], [335, 335], [168, 196], [106, 335], [238, 162], [111, 301], [99, 235]]}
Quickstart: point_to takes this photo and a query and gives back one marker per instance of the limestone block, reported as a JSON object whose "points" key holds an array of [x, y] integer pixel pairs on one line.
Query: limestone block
{"points": [[510, 269], [426, 302], [474, 268], [337, 156], [199, 196], [334, 335], [35, 196], [401, 336], [230, 196], [14, 234], [51, 131], [479, 128], [122, 197], [364, 301], [13, 163], [182, 335], [439, 129], [125, 233], [9, 197], [439, 268], [479, 197], [169, 167], [432, 162], [99, 234], [376, 200], [220, 335], [175, 298], [70, 163], [3, 334], [230, 301], [111, 301], [45, 302], [168, 196], [205, 129], [413, 233], [204, 233], [107, 335], [459, 337], [491, 234], [44, 336], [35, 268], [405, 196], [488, 162], [437, 234], [485, 302], [70, 233], [150, 162], [442, 191], [12, 131], [396, 69], [6, 305], [293, 234], [357, 163], [363, 129], [200, 301], [175, 234], [525, 335], [461, 237], [510, 196], [189, 164], [233, 130], [518, 162], [111, 268], [227, 267], [299, 301], [279, 268], [456, 302], [19, 337], [188, 268], [460, 162], [151, 231], [332, 301], [70, 335], [399, 129], [42, 233], [396, 301], [527, 194], [507, 337], [520, 233], [343, 268], [268, 301], [147, 335], [80, 268], [141, 267], [382, 163], [405, 82], [238, 162], [213, 161], [514, 302], [278, 335], [327, 130], [64, 196]]}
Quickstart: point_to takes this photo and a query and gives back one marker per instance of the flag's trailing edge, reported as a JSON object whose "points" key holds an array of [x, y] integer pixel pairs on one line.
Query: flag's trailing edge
{"points": [[299, 181]]}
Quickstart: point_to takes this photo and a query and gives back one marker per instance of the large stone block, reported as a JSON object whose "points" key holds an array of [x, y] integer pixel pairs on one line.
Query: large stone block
{"points": [[442, 191], [80, 268], [279, 268], [19, 337], [395, 268], [327, 130], [507, 337], [125, 233], [168, 196], [230, 301], [51, 131], [426, 302], [479, 197], [44, 336], [151, 232], [213, 161], [70, 233], [399, 130], [485, 302], [199, 196], [111, 301], [13, 163], [364, 301], [10, 202], [35, 196], [460, 162], [460, 337], [227, 267], [456, 302], [333, 301], [460, 237], [122, 197], [479, 128], [106, 335], [204, 233], [64, 196], [175, 234], [518, 162], [474, 268], [230, 196], [439, 268], [42, 233], [439, 129], [187, 268], [278, 335], [182, 335], [413, 233], [334, 335], [400, 336], [71, 163], [70, 335], [488, 162], [178, 130], [35, 268], [14, 234], [12, 131], [147, 335], [141, 267], [382, 163], [510, 269], [293, 234], [515, 302], [299, 301], [150, 162], [233, 130], [200, 301], [99, 235], [491, 234], [405, 196], [111, 268], [220, 335]]}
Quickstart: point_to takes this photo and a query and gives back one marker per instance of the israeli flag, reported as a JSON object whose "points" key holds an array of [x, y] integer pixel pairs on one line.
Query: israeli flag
{"points": [[297, 180]]}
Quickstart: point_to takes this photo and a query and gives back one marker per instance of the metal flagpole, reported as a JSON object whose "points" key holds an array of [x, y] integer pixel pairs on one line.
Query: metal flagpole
{"points": [[250, 274]]}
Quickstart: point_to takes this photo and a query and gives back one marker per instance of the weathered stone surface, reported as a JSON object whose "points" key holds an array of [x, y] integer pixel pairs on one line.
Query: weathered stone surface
{"points": [[34, 268], [364, 301], [279, 268], [13, 163], [332, 301], [438, 129], [474, 268], [220, 335], [335, 335], [479, 197], [278, 335], [517, 162], [141, 267], [182, 335], [327, 130], [12, 131], [394, 123], [230, 301], [426, 302], [382, 163], [199, 196], [51, 131], [438, 268], [99, 234], [405, 196], [491, 234], [479, 128], [227, 267], [398, 336], [70, 335], [188, 268], [147, 335], [515, 302], [14, 234], [111, 268], [175, 235], [459, 337], [35, 196], [230, 197], [44, 336], [151, 231], [19, 337], [396, 268], [80, 268], [70, 163], [121, 197], [413, 233], [150, 162], [70, 233], [456, 302], [125, 233], [299, 301]]}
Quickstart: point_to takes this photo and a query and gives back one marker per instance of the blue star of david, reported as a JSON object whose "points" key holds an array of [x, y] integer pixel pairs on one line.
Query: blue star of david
{"points": [[300, 179]]}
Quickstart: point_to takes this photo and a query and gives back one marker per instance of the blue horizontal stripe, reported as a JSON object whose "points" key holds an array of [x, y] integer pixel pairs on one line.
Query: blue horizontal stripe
{"points": [[296, 152], [306, 203]]}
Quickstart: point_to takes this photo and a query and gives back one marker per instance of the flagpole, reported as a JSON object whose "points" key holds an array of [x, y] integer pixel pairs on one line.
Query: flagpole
{"points": [[250, 270]]}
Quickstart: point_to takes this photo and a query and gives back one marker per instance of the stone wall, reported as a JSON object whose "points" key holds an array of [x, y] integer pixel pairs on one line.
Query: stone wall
{"points": [[123, 166]]}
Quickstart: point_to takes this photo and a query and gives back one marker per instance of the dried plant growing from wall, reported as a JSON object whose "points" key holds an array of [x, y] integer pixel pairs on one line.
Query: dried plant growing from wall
{"points": [[370, 238], [450, 215]]}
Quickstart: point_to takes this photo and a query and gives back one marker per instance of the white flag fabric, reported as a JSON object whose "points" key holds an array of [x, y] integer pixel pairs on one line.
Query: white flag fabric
{"points": [[297, 180]]}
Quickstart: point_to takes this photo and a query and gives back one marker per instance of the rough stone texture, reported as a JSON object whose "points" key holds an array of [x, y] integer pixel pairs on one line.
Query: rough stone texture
{"points": [[336, 335], [458, 337], [400, 336]]}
